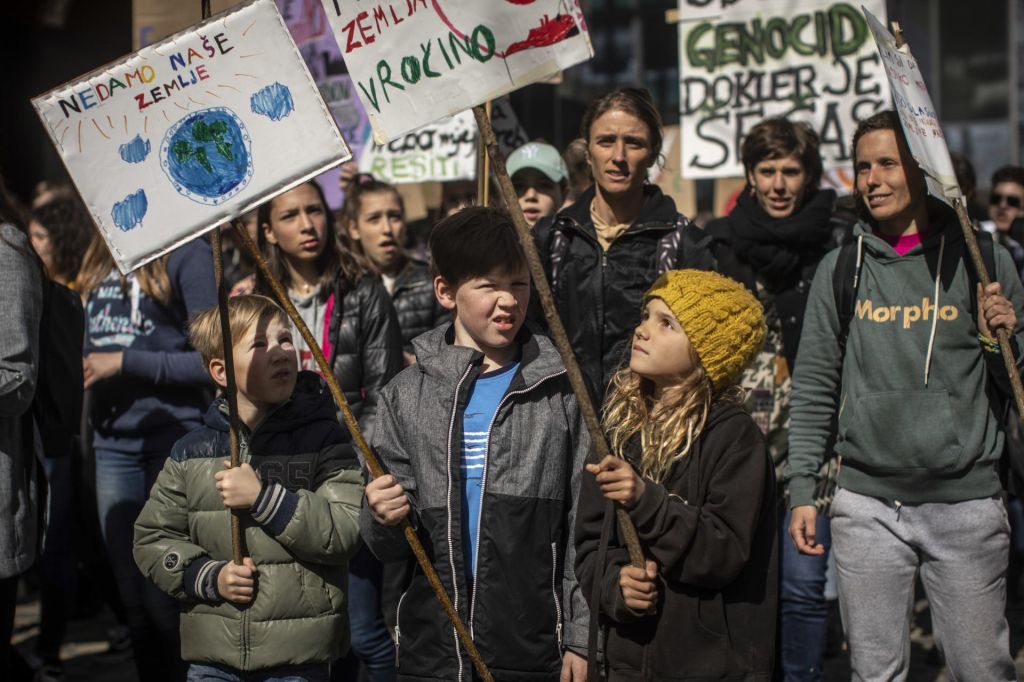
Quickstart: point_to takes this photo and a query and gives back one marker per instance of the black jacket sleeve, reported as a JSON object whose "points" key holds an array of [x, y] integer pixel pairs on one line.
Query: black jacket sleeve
{"points": [[380, 347]]}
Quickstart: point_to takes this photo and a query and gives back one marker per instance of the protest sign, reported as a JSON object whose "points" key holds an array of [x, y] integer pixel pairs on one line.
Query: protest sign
{"points": [[917, 114], [807, 60], [312, 34], [442, 151], [415, 62], [187, 133]]}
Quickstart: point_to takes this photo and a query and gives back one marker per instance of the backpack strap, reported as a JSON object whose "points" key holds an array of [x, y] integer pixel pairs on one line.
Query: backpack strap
{"points": [[845, 282], [987, 246], [669, 246]]}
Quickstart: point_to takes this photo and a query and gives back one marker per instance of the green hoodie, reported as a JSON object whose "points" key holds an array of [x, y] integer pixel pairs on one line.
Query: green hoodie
{"points": [[908, 431]]}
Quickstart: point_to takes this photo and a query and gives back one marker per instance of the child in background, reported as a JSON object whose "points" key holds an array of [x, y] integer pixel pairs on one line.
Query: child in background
{"points": [[373, 218], [282, 611], [485, 445], [540, 178], [691, 468]]}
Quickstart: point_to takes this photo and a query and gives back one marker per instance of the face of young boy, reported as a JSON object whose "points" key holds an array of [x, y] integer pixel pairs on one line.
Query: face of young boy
{"points": [[661, 349], [265, 364], [489, 310]]}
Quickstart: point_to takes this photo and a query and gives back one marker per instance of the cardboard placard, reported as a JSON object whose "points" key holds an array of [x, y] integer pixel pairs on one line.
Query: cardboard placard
{"points": [[807, 60], [917, 113], [187, 133], [415, 62], [442, 151]]}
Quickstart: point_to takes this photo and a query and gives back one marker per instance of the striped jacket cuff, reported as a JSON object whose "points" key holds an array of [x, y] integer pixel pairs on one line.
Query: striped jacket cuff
{"points": [[274, 508], [200, 579]]}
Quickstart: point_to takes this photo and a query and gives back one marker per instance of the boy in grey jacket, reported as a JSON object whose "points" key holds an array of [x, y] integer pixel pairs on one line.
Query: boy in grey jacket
{"points": [[280, 612], [485, 445]]}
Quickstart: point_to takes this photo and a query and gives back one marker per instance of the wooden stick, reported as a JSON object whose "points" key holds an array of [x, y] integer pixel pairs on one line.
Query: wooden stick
{"points": [[231, 389], [482, 166], [372, 463], [1002, 334], [555, 326]]}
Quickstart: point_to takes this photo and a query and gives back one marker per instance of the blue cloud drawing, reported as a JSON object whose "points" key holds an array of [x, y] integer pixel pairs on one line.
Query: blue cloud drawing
{"points": [[273, 101], [135, 151], [127, 214]]}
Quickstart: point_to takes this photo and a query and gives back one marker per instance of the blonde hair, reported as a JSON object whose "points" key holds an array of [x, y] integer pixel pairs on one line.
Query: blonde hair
{"points": [[243, 312], [98, 262], [667, 429]]}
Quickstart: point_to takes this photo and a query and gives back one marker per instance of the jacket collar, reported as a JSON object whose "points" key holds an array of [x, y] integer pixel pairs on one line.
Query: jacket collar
{"points": [[311, 401], [658, 211], [439, 357]]}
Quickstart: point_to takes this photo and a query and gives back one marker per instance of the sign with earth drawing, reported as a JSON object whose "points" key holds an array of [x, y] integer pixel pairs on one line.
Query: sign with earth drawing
{"points": [[189, 132], [741, 61], [417, 61]]}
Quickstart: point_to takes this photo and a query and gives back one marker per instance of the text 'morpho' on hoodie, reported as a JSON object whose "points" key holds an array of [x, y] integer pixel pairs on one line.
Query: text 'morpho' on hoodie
{"points": [[915, 420]]}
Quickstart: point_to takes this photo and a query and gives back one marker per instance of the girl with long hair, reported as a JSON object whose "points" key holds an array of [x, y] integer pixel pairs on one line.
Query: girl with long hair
{"points": [[373, 221], [149, 388], [691, 469], [349, 311]]}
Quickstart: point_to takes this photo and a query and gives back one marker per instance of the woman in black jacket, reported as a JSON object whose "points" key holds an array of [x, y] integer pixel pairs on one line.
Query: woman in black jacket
{"points": [[772, 241], [351, 314], [603, 252], [373, 218]]}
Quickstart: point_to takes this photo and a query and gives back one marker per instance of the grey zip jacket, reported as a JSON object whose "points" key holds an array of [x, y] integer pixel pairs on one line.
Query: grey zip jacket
{"points": [[525, 604]]}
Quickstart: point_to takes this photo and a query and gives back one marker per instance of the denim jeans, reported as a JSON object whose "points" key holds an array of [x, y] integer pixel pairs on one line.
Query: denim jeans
{"points": [[802, 611], [57, 575], [371, 643], [310, 672], [122, 486]]}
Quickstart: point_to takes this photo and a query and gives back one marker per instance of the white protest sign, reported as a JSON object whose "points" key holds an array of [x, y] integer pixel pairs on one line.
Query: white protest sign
{"points": [[917, 114], [442, 151], [192, 131], [807, 60], [415, 62]]}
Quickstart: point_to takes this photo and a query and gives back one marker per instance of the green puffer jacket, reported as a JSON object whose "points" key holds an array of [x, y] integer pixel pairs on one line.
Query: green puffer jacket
{"points": [[300, 533]]}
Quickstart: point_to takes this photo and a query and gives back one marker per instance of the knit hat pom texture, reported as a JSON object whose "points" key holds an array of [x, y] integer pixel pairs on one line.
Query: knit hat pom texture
{"points": [[723, 320]]}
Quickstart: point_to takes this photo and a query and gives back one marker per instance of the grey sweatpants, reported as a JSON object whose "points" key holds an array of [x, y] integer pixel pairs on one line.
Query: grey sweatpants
{"points": [[961, 550]]}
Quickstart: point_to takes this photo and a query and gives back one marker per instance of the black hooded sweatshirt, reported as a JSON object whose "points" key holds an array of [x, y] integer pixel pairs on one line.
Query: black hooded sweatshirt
{"points": [[711, 529]]}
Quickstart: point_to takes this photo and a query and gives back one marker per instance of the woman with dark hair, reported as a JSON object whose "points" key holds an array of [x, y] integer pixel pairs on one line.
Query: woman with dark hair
{"points": [[350, 312], [21, 309], [61, 231], [772, 242], [373, 222], [148, 389], [603, 252]]}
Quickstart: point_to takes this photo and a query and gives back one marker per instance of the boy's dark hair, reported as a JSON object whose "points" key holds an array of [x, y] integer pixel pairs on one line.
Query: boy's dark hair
{"points": [[1013, 174], [779, 138], [474, 242]]}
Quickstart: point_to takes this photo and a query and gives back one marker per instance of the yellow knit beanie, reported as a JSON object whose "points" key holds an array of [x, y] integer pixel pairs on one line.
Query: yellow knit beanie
{"points": [[723, 320]]}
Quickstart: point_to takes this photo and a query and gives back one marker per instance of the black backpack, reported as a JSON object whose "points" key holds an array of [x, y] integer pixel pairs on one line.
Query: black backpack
{"points": [[57, 406]]}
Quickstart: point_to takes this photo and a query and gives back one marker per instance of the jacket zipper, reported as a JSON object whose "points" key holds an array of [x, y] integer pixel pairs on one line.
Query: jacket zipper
{"points": [[398, 631], [451, 551], [483, 485], [554, 595]]}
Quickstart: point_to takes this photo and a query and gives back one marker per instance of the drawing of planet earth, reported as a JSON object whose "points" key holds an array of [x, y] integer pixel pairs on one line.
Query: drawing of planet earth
{"points": [[207, 155]]}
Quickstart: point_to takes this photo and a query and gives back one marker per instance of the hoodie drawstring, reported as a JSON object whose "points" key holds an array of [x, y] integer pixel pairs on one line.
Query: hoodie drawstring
{"points": [[935, 315]]}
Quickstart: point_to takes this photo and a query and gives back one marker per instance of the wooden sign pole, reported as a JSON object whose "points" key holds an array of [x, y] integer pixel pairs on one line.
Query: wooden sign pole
{"points": [[555, 326], [372, 463]]}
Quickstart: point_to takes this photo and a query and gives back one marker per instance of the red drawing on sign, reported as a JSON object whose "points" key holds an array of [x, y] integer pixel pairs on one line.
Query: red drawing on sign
{"points": [[549, 32]]}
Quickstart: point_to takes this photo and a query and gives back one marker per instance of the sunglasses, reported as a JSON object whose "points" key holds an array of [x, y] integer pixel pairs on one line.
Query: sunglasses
{"points": [[1011, 200]]}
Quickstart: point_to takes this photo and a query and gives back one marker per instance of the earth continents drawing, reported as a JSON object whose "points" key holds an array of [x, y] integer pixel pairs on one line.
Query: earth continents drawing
{"points": [[207, 155]]}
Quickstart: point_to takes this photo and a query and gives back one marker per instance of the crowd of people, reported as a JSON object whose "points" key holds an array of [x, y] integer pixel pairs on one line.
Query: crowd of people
{"points": [[804, 400]]}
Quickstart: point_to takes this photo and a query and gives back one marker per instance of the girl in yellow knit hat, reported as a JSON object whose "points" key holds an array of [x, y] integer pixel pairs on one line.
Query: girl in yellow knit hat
{"points": [[691, 468]]}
